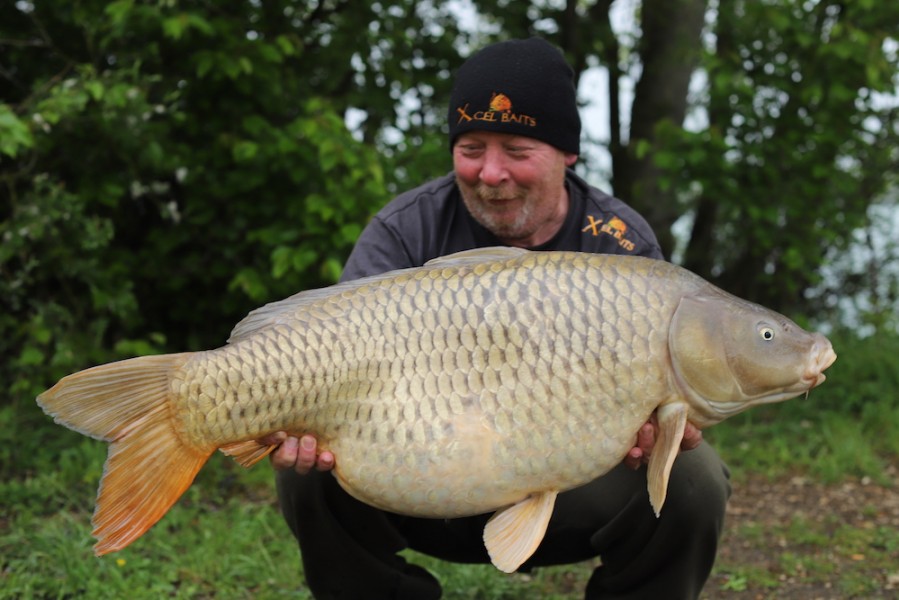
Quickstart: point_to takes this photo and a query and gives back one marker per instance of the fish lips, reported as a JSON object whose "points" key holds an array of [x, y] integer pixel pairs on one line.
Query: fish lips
{"points": [[823, 356]]}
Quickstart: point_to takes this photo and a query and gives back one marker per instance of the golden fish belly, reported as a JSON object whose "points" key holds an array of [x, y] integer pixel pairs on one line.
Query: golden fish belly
{"points": [[445, 392]]}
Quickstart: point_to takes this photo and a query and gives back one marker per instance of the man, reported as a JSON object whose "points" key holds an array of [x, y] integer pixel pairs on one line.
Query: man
{"points": [[514, 133]]}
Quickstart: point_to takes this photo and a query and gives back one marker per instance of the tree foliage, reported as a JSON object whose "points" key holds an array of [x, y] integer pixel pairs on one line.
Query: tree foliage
{"points": [[168, 165], [800, 141]]}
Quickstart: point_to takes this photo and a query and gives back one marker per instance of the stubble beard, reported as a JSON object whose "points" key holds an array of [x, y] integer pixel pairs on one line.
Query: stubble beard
{"points": [[493, 207]]}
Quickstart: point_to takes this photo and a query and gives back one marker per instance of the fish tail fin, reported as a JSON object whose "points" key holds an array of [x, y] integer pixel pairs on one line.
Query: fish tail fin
{"points": [[148, 465]]}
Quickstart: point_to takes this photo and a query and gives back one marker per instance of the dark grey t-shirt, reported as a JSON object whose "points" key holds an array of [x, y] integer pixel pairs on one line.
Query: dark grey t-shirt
{"points": [[431, 221]]}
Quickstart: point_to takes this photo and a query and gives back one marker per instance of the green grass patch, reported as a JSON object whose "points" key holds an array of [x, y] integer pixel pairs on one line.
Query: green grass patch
{"points": [[207, 546], [852, 561], [825, 444], [739, 578]]}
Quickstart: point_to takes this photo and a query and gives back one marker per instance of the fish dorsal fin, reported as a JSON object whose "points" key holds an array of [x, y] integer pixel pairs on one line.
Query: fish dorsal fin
{"points": [[672, 421], [513, 534], [476, 256], [280, 311], [283, 311]]}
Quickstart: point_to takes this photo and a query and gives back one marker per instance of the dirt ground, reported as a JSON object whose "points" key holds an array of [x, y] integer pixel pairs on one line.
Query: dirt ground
{"points": [[801, 540]]}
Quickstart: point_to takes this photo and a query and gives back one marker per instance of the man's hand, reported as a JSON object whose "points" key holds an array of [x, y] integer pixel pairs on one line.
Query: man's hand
{"points": [[301, 454], [646, 439]]}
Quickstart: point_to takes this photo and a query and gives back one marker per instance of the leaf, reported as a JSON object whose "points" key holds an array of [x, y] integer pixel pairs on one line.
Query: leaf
{"points": [[95, 89], [245, 151], [285, 45], [250, 283], [15, 135], [642, 147], [205, 61], [174, 27], [270, 53], [177, 26], [331, 270], [349, 232], [30, 356]]}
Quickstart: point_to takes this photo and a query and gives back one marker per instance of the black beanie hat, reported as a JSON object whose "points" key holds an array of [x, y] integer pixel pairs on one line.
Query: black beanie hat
{"points": [[522, 87]]}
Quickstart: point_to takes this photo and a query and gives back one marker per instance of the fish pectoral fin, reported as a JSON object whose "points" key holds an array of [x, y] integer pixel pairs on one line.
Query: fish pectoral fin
{"points": [[247, 453], [672, 421], [513, 534]]}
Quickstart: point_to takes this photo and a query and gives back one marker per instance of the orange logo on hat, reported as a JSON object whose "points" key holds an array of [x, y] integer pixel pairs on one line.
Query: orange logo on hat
{"points": [[500, 103], [499, 110]]}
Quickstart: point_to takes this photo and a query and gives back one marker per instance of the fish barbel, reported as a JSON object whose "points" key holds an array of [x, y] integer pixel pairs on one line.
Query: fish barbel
{"points": [[488, 380]]}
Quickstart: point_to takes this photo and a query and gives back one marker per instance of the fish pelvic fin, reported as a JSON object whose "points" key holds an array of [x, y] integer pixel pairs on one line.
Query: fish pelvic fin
{"points": [[672, 421], [148, 465], [247, 453], [513, 534]]}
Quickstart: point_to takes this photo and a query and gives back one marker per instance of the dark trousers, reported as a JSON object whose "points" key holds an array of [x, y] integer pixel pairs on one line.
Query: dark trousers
{"points": [[349, 549]]}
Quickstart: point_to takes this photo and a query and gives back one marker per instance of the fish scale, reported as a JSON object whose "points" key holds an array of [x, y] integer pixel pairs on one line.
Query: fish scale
{"points": [[487, 380], [481, 385]]}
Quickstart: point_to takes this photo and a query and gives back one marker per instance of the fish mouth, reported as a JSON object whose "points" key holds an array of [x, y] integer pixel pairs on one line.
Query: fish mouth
{"points": [[823, 356]]}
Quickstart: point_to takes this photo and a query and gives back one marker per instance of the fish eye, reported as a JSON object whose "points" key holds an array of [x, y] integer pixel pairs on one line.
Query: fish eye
{"points": [[766, 333]]}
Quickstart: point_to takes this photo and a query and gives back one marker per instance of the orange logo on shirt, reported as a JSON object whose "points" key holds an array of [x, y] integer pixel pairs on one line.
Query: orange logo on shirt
{"points": [[615, 227]]}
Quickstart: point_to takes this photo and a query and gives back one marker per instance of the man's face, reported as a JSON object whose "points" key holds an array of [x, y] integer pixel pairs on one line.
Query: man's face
{"points": [[513, 185]]}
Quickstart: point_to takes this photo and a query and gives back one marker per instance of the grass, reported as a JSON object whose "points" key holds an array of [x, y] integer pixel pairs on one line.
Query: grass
{"points": [[824, 443], [226, 539], [207, 546], [820, 554]]}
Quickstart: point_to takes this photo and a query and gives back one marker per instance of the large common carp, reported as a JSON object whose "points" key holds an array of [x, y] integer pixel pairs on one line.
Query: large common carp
{"points": [[487, 380]]}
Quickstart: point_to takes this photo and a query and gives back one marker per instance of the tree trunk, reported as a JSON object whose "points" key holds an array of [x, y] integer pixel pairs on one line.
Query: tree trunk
{"points": [[669, 50]]}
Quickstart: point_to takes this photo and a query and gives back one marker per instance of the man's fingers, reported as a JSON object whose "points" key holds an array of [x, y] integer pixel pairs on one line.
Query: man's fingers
{"points": [[325, 461], [285, 455], [305, 455], [634, 458], [646, 439], [301, 454], [692, 437]]}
